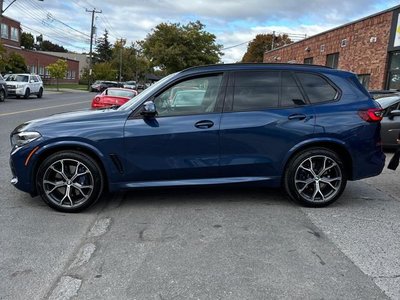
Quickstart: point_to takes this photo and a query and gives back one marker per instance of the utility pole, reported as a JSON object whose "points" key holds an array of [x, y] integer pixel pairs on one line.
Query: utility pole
{"points": [[273, 40], [93, 11], [122, 43]]}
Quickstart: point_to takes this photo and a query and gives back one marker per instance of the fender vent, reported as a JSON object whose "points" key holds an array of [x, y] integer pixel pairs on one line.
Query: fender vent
{"points": [[117, 163]]}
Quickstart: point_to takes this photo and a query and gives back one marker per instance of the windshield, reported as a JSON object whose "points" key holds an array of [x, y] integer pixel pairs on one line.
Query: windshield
{"points": [[120, 93], [20, 78], [129, 105]]}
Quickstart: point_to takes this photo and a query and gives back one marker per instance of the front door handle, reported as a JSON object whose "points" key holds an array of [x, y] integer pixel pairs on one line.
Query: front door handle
{"points": [[297, 117], [204, 124]]}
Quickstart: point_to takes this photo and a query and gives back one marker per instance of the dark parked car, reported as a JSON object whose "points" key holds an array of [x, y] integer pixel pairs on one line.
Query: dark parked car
{"points": [[99, 86], [390, 124], [306, 128], [3, 89]]}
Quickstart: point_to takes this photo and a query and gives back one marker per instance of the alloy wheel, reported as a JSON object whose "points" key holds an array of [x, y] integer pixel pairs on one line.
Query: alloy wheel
{"points": [[68, 182], [318, 178]]}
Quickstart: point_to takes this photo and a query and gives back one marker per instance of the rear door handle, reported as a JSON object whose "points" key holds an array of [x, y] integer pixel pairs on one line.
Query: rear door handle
{"points": [[204, 124], [297, 117]]}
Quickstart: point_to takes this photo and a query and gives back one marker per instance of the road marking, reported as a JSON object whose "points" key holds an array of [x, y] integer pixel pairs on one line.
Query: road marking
{"points": [[42, 108], [67, 288]]}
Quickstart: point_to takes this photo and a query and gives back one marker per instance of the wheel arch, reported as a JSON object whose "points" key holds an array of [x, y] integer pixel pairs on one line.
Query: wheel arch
{"points": [[337, 146], [90, 151]]}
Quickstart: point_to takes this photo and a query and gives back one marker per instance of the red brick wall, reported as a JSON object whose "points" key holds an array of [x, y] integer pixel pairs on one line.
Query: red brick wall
{"points": [[37, 59], [360, 56]]}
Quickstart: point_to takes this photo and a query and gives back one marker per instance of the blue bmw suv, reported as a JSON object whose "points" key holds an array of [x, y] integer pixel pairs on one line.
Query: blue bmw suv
{"points": [[306, 128]]}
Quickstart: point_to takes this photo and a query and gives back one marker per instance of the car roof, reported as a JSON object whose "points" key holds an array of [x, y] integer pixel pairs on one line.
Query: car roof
{"points": [[261, 66]]}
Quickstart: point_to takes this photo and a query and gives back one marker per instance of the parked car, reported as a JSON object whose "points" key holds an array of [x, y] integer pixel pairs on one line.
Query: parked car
{"points": [[306, 128], [113, 97], [390, 124], [100, 85], [130, 85], [24, 85], [3, 89]]}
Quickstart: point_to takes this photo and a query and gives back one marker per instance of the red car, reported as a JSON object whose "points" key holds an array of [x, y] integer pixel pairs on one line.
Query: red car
{"points": [[113, 97]]}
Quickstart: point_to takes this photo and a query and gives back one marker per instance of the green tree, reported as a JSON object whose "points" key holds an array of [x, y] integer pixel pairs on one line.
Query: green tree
{"points": [[104, 71], [27, 40], [16, 63], [49, 46], [261, 43], [58, 69], [173, 47], [3, 58], [103, 48]]}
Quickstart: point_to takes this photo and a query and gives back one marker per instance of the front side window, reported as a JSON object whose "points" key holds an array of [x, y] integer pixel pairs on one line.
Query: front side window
{"points": [[193, 96], [255, 90], [317, 88]]}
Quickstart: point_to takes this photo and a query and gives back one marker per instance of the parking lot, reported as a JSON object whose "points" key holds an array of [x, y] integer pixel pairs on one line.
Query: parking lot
{"points": [[200, 243]]}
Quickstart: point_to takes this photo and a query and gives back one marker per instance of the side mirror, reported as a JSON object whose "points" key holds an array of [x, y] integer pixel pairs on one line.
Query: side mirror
{"points": [[32, 81], [394, 113], [149, 109]]}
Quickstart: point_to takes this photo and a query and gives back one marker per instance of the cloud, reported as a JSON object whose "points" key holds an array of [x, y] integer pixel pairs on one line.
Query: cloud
{"points": [[232, 22]]}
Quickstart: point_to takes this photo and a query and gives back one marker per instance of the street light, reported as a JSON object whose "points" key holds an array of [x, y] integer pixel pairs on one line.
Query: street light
{"points": [[11, 3]]}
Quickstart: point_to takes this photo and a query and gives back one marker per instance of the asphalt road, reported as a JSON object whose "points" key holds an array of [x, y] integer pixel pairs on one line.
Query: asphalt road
{"points": [[195, 243]]}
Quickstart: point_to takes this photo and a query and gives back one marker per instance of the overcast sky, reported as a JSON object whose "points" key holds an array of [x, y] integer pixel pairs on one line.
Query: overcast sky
{"points": [[234, 23]]}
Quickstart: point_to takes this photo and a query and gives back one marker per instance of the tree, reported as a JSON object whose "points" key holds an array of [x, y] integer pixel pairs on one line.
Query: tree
{"points": [[104, 71], [173, 47], [16, 63], [49, 46], [103, 48], [27, 40], [58, 69], [261, 43]]}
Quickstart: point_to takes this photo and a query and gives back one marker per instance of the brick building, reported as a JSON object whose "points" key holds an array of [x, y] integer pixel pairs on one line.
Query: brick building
{"points": [[35, 61], [369, 47]]}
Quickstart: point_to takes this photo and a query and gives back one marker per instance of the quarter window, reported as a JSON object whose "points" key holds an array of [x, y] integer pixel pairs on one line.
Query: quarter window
{"points": [[256, 90], [194, 96], [316, 88]]}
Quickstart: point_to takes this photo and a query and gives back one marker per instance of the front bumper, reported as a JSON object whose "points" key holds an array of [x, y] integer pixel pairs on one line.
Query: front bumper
{"points": [[15, 92]]}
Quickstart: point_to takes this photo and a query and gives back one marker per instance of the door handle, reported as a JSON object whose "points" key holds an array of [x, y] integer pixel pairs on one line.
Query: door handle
{"points": [[204, 124], [297, 117]]}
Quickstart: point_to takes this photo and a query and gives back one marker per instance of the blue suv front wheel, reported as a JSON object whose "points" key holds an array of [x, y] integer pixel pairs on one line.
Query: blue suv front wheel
{"points": [[69, 181]]}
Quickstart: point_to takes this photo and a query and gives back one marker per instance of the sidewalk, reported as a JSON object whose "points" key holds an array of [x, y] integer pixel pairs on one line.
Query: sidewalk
{"points": [[50, 91]]}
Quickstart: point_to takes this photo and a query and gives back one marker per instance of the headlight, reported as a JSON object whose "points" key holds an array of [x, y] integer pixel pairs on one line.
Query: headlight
{"points": [[22, 138]]}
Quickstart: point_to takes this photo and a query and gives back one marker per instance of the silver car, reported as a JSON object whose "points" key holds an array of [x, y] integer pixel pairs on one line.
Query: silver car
{"points": [[391, 119]]}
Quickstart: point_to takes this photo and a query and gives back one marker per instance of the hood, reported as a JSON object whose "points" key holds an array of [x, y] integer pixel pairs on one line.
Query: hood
{"points": [[77, 119]]}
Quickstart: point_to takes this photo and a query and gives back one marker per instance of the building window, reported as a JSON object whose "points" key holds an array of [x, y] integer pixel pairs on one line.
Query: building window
{"points": [[308, 61], [73, 74], [41, 71], [33, 69], [343, 43], [394, 71], [322, 48], [4, 31], [332, 60], [364, 80], [14, 34]]}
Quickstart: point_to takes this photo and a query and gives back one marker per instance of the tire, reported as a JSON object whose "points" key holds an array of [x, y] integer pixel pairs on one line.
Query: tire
{"points": [[69, 181], [2, 95], [17, 97], [315, 177], [40, 94], [27, 93]]}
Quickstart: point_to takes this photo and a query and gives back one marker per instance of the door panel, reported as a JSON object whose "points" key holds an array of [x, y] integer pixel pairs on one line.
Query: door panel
{"points": [[170, 148]]}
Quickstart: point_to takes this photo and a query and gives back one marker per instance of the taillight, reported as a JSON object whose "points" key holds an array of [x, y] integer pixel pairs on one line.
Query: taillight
{"points": [[371, 115]]}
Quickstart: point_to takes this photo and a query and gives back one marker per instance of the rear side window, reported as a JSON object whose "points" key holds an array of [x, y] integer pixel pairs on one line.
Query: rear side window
{"points": [[256, 90], [291, 94], [317, 88]]}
